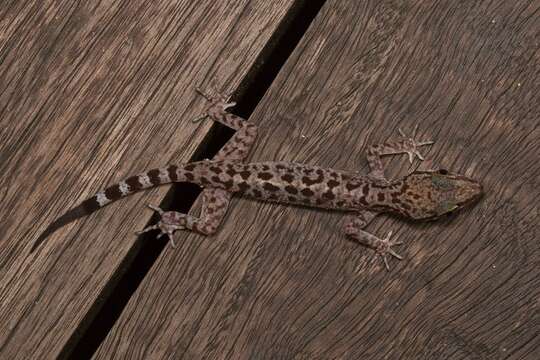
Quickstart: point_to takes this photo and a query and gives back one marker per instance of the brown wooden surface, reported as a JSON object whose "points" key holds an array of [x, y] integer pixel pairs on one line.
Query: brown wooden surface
{"points": [[92, 92], [282, 282]]}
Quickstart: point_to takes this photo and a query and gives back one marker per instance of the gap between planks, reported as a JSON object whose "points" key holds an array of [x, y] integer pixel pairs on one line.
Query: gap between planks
{"points": [[181, 197]]}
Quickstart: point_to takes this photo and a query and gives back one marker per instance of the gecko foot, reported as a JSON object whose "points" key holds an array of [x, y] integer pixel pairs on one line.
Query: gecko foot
{"points": [[169, 223], [220, 103], [413, 145], [384, 247]]}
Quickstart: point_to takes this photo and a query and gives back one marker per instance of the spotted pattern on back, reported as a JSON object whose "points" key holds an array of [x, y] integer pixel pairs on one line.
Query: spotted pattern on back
{"points": [[282, 182]]}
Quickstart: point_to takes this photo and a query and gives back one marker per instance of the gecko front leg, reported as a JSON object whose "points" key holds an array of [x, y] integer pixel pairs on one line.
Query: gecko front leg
{"points": [[407, 146], [353, 228]]}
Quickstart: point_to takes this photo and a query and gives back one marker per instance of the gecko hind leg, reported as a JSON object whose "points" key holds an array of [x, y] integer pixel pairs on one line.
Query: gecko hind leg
{"points": [[217, 110], [215, 205], [383, 247], [167, 225], [407, 146], [238, 147], [215, 201]]}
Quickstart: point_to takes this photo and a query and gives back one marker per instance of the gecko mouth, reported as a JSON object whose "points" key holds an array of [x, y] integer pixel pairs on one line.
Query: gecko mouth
{"points": [[459, 206]]}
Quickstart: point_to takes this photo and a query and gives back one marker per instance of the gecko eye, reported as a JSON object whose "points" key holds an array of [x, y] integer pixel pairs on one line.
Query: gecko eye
{"points": [[443, 171]]}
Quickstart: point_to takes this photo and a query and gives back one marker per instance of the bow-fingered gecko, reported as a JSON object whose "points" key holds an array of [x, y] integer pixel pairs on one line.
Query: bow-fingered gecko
{"points": [[419, 195]]}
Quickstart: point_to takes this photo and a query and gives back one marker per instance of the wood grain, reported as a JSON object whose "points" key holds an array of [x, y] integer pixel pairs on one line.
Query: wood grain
{"points": [[92, 92], [283, 283]]}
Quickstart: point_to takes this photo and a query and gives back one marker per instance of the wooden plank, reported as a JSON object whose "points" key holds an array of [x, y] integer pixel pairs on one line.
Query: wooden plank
{"points": [[282, 282], [92, 92]]}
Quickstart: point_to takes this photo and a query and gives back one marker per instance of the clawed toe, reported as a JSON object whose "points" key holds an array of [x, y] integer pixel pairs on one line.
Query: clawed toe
{"points": [[171, 238], [204, 94], [228, 105], [401, 133], [156, 209], [385, 247], [413, 152], [411, 155], [161, 234], [199, 118], [217, 99], [146, 229], [394, 254]]}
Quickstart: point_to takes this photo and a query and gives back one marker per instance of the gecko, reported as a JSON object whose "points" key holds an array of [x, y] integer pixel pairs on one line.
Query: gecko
{"points": [[420, 195]]}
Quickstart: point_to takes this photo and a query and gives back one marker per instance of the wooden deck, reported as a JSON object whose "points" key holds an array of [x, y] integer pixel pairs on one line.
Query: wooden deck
{"points": [[92, 93]]}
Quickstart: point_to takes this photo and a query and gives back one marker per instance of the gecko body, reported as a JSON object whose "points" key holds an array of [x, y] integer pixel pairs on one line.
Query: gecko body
{"points": [[420, 195]]}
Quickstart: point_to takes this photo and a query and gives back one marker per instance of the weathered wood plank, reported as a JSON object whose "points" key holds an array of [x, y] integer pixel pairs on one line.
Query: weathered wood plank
{"points": [[92, 92], [282, 282]]}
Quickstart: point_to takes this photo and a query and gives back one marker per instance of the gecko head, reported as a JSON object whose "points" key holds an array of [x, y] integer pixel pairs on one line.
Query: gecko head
{"points": [[431, 194]]}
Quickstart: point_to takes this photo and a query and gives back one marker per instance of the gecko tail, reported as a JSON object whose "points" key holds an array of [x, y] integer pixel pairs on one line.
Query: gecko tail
{"points": [[78, 212], [149, 179]]}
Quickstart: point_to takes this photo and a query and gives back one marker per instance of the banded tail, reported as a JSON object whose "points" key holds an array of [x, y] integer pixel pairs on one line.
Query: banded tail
{"points": [[149, 179]]}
